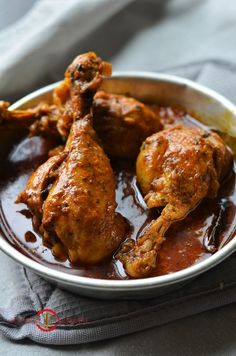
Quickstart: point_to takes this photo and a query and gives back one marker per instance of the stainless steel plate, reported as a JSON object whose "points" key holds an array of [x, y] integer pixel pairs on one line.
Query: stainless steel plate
{"points": [[213, 109]]}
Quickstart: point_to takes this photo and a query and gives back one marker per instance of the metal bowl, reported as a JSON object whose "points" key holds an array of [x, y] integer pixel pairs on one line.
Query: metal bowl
{"points": [[213, 109]]}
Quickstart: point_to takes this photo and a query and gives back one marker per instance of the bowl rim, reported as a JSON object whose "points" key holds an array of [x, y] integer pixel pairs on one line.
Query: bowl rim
{"points": [[144, 283]]}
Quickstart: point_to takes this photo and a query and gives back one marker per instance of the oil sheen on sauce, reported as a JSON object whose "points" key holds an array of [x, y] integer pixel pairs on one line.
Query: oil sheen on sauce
{"points": [[205, 230]]}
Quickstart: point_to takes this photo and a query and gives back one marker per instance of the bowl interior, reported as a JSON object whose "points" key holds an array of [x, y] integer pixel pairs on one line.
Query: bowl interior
{"points": [[204, 104]]}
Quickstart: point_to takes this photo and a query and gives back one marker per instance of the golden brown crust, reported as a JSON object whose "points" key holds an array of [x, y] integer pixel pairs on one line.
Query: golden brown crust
{"points": [[80, 207], [122, 124], [176, 169], [37, 186], [82, 79], [77, 215]]}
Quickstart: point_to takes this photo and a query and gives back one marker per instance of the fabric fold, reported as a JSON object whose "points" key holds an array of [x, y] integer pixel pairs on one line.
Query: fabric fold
{"points": [[83, 320]]}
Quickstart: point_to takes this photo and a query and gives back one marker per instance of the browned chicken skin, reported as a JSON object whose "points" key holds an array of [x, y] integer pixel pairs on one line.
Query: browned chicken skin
{"points": [[41, 120], [72, 195], [122, 124], [23, 115], [56, 119], [176, 169], [80, 207]]}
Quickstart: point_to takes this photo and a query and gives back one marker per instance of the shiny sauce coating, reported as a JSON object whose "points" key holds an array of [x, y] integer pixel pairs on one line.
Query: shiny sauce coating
{"points": [[205, 230]]}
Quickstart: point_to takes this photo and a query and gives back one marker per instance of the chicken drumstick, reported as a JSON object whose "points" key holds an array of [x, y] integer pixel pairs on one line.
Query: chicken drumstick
{"points": [[176, 169], [72, 195]]}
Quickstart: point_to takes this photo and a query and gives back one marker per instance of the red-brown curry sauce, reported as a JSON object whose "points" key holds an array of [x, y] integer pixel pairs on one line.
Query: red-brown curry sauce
{"points": [[206, 229]]}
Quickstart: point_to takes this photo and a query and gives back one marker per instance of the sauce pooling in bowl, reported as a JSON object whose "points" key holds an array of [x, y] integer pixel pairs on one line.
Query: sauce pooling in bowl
{"points": [[201, 233]]}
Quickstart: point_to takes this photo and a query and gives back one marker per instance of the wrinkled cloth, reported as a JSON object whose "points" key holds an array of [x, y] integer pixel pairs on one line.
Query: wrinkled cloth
{"points": [[84, 320], [194, 39]]}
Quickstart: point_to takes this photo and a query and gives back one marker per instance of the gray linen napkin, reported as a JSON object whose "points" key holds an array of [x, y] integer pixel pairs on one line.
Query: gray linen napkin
{"points": [[84, 320], [22, 292]]}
